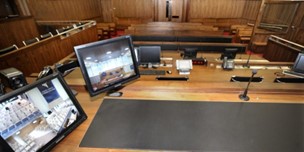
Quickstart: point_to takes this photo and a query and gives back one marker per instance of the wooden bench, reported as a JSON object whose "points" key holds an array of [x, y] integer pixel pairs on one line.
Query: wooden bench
{"points": [[184, 38], [243, 35], [32, 58], [201, 46], [106, 30]]}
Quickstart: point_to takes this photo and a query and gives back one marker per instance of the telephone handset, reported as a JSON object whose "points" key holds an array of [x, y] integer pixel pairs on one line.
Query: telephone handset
{"points": [[227, 64], [47, 70]]}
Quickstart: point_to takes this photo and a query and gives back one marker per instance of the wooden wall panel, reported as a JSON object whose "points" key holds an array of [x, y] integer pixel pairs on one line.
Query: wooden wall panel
{"points": [[279, 13], [14, 31], [279, 53], [31, 59], [251, 10], [106, 10], [296, 34], [64, 9], [177, 10], [216, 8], [133, 8], [161, 11]]}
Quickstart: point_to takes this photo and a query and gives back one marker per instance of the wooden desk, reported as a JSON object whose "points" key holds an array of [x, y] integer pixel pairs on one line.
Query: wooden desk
{"points": [[205, 84]]}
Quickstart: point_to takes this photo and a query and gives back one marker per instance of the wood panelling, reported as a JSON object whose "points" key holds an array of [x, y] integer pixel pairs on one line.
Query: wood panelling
{"points": [[106, 10], [296, 33], [281, 50], [64, 9], [216, 8], [133, 8], [177, 10], [251, 10], [279, 13], [31, 59], [161, 11], [14, 31]]}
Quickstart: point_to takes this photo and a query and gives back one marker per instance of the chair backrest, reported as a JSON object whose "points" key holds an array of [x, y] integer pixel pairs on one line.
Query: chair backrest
{"points": [[47, 35], [8, 49], [30, 41]]}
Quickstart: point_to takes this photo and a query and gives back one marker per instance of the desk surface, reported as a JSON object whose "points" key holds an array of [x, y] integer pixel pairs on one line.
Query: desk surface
{"points": [[205, 84]]}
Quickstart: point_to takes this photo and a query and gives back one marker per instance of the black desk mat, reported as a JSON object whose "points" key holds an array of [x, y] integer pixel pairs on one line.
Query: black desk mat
{"points": [[197, 126]]}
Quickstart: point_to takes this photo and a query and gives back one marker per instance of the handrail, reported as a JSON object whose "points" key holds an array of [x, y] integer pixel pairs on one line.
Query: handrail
{"points": [[284, 42]]}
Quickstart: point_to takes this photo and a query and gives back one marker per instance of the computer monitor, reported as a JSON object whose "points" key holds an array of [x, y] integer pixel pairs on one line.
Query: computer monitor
{"points": [[230, 53], [190, 53], [39, 115], [108, 64], [149, 55], [299, 64]]}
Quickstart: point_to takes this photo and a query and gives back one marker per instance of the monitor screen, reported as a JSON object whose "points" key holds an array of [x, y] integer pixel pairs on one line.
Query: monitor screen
{"points": [[230, 53], [149, 54], [299, 64], [37, 116], [190, 53], [108, 64]]}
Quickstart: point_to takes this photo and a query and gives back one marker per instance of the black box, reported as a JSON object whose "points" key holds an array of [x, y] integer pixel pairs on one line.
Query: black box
{"points": [[13, 78]]}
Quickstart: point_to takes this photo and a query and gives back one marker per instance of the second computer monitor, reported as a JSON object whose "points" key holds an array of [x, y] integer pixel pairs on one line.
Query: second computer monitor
{"points": [[230, 53], [190, 53], [149, 55], [299, 64]]}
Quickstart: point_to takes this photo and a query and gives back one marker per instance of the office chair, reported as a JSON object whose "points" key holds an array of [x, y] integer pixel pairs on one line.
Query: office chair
{"points": [[47, 35], [30, 41], [8, 49]]}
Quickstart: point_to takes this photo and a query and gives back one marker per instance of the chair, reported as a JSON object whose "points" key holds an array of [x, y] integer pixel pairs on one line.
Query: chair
{"points": [[30, 41], [8, 49], [47, 35]]}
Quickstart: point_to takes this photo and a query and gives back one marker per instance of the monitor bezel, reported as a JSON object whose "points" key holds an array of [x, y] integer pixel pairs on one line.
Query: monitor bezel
{"points": [[139, 53], [52, 143], [190, 53], [294, 68], [78, 49], [229, 51]]}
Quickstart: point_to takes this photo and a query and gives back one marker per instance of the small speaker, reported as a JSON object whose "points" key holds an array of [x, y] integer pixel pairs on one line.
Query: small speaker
{"points": [[12, 78]]}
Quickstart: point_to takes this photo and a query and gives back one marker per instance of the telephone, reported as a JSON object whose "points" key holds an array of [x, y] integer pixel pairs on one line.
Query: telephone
{"points": [[47, 70], [228, 64], [184, 66]]}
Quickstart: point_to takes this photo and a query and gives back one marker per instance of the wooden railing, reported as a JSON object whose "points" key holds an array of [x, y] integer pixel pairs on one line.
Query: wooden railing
{"points": [[32, 58], [282, 50]]}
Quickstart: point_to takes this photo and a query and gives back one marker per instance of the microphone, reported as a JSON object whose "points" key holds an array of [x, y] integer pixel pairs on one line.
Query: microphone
{"points": [[244, 96], [247, 63]]}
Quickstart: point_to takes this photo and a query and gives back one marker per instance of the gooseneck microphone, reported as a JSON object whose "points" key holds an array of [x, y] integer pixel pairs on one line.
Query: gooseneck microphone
{"points": [[244, 96], [247, 63]]}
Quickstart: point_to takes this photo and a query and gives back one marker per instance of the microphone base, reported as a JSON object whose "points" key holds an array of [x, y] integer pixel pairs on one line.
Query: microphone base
{"points": [[244, 97]]}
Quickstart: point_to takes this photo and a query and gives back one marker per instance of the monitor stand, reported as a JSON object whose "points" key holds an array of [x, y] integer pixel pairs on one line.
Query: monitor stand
{"points": [[74, 92], [149, 66], [115, 92]]}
